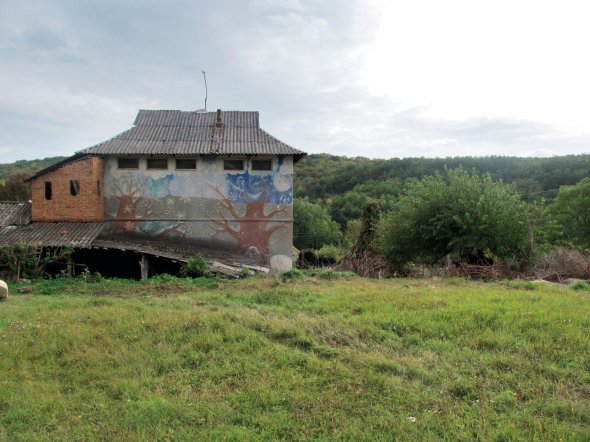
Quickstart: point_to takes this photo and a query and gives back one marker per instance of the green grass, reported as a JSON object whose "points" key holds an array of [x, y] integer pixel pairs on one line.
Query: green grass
{"points": [[346, 359]]}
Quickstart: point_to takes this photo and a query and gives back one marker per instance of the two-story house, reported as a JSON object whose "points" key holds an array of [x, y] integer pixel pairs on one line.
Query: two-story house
{"points": [[201, 179]]}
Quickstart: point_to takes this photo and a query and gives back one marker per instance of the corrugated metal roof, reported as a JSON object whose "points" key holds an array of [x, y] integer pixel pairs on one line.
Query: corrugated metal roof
{"points": [[52, 234], [15, 214], [173, 132]]}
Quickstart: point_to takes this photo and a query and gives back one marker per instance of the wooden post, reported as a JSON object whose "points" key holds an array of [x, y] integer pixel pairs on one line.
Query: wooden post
{"points": [[144, 265], [70, 265]]}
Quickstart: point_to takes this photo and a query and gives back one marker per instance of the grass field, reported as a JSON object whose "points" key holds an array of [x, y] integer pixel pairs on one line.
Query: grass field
{"points": [[346, 359]]}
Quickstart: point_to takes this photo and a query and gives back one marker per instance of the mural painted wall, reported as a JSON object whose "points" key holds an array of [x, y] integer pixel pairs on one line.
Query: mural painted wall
{"points": [[246, 212]]}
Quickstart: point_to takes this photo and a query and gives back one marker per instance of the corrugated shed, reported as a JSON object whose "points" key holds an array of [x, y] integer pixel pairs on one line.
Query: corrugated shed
{"points": [[15, 214], [173, 132], [52, 234]]}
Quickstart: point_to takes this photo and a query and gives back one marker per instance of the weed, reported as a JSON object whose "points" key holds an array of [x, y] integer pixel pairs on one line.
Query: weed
{"points": [[522, 284], [328, 273], [580, 286], [292, 275]]}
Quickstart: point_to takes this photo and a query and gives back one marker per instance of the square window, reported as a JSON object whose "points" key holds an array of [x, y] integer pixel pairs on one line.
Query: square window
{"points": [[186, 164], [233, 164], [128, 163], [261, 164], [74, 187], [47, 190], [157, 163]]}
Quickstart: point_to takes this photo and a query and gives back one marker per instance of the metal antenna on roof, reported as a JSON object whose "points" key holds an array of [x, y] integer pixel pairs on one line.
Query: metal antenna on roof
{"points": [[205, 79]]}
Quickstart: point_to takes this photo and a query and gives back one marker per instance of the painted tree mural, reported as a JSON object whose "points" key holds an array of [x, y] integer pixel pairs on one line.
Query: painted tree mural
{"points": [[134, 209], [248, 222]]}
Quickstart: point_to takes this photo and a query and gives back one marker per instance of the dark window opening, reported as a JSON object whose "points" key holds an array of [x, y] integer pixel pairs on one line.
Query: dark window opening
{"points": [[98, 187], [186, 164], [47, 190], [261, 164], [157, 163], [128, 163], [233, 164], [74, 187]]}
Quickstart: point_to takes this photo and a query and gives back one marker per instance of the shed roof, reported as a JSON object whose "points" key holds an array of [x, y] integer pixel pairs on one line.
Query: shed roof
{"points": [[174, 132], [15, 214], [52, 234]]}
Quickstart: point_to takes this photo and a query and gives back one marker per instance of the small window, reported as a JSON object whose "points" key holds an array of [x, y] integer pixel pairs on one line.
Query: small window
{"points": [[157, 163], [47, 190], [74, 187], [128, 163], [186, 164], [98, 187], [233, 164], [261, 164]]}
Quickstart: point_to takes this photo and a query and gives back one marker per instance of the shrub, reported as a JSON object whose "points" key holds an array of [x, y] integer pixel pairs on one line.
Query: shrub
{"points": [[196, 267], [580, 286], [470, 217], [328, 273], [292, 275], [329, 254]]}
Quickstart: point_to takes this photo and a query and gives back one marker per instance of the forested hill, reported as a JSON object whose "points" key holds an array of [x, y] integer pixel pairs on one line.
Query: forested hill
{"points": [[29, 167], [322, 176]]}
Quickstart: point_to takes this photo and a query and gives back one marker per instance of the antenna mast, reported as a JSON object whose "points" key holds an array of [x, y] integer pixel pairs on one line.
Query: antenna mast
{"points": [[205, 80]]}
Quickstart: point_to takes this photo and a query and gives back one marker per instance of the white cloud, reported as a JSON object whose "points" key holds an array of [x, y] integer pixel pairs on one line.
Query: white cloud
{"points": [[363, 77]]}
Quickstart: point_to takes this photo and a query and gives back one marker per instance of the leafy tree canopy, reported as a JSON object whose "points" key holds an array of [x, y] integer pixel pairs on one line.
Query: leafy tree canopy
{"points": [[571, 209], [313, 227], [16, 189], [466, 215]]}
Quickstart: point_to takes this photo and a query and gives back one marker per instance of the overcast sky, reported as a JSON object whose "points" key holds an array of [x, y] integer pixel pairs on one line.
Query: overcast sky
{"points": [[348, 77]]}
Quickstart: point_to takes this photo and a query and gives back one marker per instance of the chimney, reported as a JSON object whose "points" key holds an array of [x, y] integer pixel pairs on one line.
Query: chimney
{"points": [[218, 123]]}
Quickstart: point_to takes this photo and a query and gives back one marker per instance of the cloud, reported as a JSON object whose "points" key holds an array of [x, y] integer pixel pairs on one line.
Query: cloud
{"points": [[75, 73]]}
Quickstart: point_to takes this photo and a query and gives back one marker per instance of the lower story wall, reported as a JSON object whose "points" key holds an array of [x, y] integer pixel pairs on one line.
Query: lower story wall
{"points": [[263, 243]]}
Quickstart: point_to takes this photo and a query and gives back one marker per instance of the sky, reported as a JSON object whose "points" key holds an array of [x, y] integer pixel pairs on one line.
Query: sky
{"points": [[373, 78]]}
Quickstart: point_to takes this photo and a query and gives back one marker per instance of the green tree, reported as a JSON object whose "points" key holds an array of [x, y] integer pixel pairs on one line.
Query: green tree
{"points": [[312, 226], [469, 216], [16, 189], [348, 206], [571, 209]]}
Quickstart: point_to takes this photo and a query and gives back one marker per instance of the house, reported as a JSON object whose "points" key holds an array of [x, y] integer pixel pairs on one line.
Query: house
{"points": [[185, 182]]}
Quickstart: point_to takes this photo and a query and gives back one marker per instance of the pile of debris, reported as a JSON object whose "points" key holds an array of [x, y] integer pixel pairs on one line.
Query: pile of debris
{"points": [[236, 270], [562, 264]]}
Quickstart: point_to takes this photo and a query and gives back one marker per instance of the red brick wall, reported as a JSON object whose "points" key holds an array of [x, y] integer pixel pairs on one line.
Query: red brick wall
{"points": [[88, 205]]}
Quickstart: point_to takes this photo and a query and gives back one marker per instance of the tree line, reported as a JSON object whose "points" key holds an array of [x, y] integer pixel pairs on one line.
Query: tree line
{"points": [[475, 209], [471, 209]]}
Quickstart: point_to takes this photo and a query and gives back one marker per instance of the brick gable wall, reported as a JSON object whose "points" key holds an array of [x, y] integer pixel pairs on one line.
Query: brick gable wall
{"points": [[87, 206]]}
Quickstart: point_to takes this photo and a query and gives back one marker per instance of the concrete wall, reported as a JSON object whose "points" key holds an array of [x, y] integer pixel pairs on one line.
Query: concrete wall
{"points": [[246, 212], [87, 205]]}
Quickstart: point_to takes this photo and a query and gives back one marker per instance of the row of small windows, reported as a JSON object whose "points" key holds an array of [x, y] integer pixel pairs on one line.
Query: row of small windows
{"points": [[191, 164], [74, 189]]}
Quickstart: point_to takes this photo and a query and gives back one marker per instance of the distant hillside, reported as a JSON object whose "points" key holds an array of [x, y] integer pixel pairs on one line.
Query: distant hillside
{"points": [[323, 176], [28, 166]]}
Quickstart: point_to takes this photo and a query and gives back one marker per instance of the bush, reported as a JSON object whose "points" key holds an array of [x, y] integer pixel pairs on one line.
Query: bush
{"points": [[329, 254], [580, 286], [470, 217], [292, 275], [196, 267]]}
